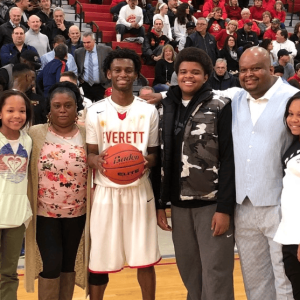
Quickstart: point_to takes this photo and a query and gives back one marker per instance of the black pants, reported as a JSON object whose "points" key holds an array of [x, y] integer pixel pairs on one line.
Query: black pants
{"points": [[58, 240], [292, 268], [94, 92]]}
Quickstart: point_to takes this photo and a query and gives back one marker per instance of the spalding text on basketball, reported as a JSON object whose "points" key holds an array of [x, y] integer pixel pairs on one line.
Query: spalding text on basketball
{"points": [[130, 157]]}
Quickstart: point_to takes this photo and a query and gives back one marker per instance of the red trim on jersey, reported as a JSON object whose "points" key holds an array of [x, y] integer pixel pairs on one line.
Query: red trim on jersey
{"points": [[105, 272], [122, 116], [145, 266]]}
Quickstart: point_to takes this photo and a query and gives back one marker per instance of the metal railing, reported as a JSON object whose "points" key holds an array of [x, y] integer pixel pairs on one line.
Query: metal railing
{"points": [[80, 13]]}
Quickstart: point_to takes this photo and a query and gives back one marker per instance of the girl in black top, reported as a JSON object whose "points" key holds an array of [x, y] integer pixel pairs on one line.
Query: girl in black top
{"points": [[229, 52]]}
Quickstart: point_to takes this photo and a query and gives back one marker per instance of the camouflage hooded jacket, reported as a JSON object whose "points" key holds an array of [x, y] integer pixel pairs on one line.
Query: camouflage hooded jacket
{"points": [[197, 151]]}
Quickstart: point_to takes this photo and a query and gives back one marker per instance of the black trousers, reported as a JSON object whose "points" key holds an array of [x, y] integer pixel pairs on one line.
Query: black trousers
{"points": [[58, 240], [292, 268], [94, 92]]}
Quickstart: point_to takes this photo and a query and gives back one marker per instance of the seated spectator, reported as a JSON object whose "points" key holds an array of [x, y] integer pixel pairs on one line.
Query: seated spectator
{"points": [[74, 42], [271, 32], [268, 5], [11, 52], [161, 12], [233, 10], [209, 5], [46, 58], [172, 10], [268, 45], [246, 37], [283, 60], [58, 26], [153, 43], [203, 40], [245, 17], [257, 11], [229, 53], [297, 74], [220, 79], [265, 24], [23, 6], [279, 13], [282, 42], [215, 23], [6, 29], [295, 83], [115, 7], [278, 71], [190, 28], [164, 69], [222, 35], [145, 90], [46, 12], [182, 17], [131, 19], [295, 37], [51, 72], [36, 39]]}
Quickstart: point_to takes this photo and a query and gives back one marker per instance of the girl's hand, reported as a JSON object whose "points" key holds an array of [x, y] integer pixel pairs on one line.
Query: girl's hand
{"points": [[298, 253]]}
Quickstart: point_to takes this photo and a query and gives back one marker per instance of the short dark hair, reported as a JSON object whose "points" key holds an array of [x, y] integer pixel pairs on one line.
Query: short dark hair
{"points": [[278, 69], [287, 107], [20, 69], [197, 55], [10, 93], [297, 67], [284, 33], [294, 83], [19, 27], [122, 54], [226, 47], [70, 74], [59, 39], [265, 43], [68, 88], [61, 51]]}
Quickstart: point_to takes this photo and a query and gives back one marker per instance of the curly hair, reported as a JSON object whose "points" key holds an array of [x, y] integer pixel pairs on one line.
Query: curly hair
{"points": [[197, 55], [65, 87], [181, 14], [122, 54]]}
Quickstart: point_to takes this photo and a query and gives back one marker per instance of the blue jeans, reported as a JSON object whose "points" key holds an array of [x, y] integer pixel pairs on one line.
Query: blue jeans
{"points": [[161, 88]]}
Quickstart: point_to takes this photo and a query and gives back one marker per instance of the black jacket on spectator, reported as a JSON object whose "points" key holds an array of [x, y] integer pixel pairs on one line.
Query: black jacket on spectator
{"points": [[246, 38], [6, 31], [7, 18], [153, 45], [163, 72], [207, 44], [45, 19], [219, 83], [232, 64], [69, 44], [52, 31], [171, 16], [6, 73], [294, 38]]}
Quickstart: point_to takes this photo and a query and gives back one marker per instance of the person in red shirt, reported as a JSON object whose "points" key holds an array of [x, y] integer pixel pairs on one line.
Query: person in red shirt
{"points": [[233, 10], [271, 33], [279, 13], [209, 5], [246, 16], [268, 5], [297, 74], [222, 35], [257, 11], [215, 23]]}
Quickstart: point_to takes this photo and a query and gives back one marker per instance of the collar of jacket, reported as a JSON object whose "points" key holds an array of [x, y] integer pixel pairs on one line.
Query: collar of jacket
{"points": [[226, 76], [155, 33]]}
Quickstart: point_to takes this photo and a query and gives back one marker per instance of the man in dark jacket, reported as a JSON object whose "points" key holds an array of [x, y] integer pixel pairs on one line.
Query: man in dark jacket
{"points": [[23, 5], [220, 78], [153, 43], [203, 40], [74, 42], [198, 168], [246, 38]]}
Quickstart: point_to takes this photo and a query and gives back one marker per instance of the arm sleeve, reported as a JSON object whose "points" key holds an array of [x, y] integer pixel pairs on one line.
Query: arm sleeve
{"points": [[226, 192], [146, 46], [5, 55], [188, 42], [153, 134], [122, 17], [91, 134], [141, 22], [159, 71], [72, 64]]}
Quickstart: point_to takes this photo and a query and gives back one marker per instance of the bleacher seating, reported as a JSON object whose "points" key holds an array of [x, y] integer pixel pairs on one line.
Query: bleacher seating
{"points": [[134, 46]]}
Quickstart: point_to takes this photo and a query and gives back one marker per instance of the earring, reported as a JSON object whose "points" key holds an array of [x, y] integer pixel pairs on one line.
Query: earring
{"points": [[49, 119]]}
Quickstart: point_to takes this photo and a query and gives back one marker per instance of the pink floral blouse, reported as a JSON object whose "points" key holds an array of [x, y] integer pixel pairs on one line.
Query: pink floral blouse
{"points": [[62, 177]]}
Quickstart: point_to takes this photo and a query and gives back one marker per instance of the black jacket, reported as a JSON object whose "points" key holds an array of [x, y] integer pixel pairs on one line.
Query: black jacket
{"points": [[207, 44], [197, 152], [225, 83], [163, 71], [246, 38], [152, 42], [6, 31], [7, 18], [69, 44], [232, 64]]}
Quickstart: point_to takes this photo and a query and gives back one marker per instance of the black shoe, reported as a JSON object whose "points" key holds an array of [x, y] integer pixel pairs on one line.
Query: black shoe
{"points": [[115, 17]]}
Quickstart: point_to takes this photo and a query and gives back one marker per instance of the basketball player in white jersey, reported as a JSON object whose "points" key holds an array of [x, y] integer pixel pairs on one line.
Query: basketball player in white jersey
{"points": [[123, 217]]}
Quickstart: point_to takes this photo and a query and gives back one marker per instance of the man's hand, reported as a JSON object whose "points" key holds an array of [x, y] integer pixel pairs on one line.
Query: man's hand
{"points": [[210, 15], [152, 98], [61, 26], [157, 58], [162, 221], [96, 161], [220, 223]]}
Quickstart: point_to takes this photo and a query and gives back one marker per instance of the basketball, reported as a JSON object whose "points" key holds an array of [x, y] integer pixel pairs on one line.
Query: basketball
{"points": [[124, 164]]}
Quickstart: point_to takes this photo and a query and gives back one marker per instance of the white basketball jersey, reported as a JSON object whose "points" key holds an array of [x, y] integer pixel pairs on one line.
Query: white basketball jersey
{"points": [[106, 127]]}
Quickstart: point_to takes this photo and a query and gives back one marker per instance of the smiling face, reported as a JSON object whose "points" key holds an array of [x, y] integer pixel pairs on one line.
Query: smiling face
{"points": [[245, 15], [13, 115], [191, 77], [63, 110], [34, 23], [218, 14], [168, 54], [293, 118], [255, 72], [15, 15], [74, 34], [122, 74]]}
